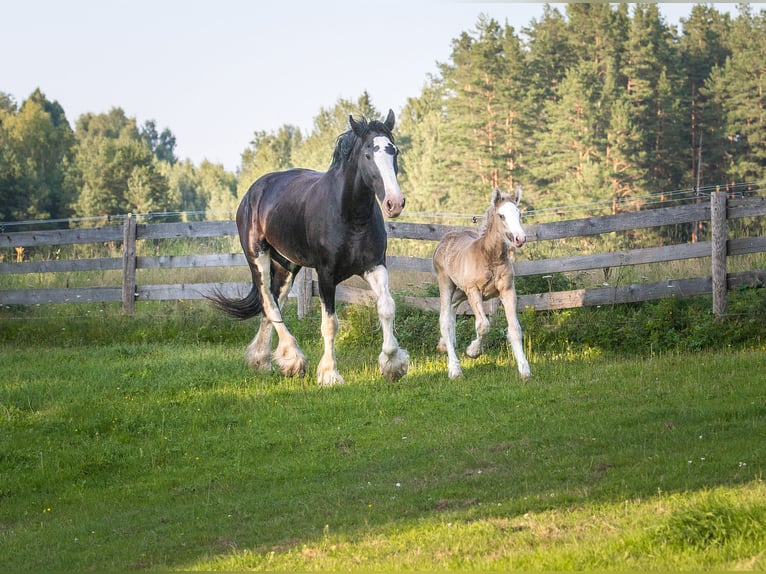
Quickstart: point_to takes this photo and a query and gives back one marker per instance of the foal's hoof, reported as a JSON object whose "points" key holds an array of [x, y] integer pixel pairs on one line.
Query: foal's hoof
{"points": [[394, 367], [456, 374], [473, 350], [441, 347]]}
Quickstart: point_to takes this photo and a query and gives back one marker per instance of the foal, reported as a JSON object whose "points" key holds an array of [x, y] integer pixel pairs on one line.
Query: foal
{"points": [[477, 267]]}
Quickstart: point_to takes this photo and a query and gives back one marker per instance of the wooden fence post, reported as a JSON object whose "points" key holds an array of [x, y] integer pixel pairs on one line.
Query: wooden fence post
{"points": [[129, 265], [719, 251], [304, 291]]}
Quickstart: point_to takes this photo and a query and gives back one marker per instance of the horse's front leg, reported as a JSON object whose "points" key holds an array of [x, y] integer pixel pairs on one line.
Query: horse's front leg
{"points": [[288, 355], [327, 373], [481, 323], [393, 360], [508, 299], [447, 317]]}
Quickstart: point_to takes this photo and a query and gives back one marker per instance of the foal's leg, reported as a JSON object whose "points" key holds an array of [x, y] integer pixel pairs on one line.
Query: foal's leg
{"points": [[393, 360], [508, 299], [481, 323], [447, 317], [288, 355], [258, 353]]}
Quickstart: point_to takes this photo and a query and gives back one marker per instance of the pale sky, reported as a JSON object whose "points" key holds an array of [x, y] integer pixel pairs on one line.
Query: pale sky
{"points": [[214, 72]]}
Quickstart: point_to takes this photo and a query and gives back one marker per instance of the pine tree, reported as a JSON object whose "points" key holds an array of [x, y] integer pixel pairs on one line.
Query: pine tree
{"points": [[738, 90], [702, 47]]}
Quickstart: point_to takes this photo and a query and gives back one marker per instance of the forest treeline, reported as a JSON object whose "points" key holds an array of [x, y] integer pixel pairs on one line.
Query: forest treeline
{"points": [[590, 103]]}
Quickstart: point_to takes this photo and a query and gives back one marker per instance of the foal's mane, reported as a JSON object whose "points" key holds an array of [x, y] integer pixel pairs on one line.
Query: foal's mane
{"points": [[346, 141], [484, 227]]}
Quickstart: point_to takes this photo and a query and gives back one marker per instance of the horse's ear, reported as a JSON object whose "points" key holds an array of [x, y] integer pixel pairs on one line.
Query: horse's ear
{"points": [[390, 120], [518, 195], [496, 195], [355, 126]]}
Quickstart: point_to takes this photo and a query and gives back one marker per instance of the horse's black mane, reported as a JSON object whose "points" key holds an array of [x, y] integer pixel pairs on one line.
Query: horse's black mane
{"points": [[344, 145]]}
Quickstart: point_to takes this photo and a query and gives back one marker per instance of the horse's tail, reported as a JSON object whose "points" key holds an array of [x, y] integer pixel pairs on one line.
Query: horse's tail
{"points": [[245, 308]]}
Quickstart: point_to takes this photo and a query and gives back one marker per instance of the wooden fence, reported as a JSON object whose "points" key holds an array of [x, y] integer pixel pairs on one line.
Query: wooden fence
{"points": [[718, 212]]}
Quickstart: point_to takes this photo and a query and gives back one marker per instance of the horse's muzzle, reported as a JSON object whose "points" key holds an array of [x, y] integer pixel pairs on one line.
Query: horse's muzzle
{"points": [[392, 207], [517, 239]]}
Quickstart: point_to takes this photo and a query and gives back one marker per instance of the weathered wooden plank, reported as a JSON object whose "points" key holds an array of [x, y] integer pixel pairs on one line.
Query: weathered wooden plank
{"points": [[191, 261], [60, 237], [619, 222], [61, 266], [70, 295], [756, 278], [616, 259], [186, 229], [184, 291], [613, 295], [424, 231], [746, 245], [746, 207]]}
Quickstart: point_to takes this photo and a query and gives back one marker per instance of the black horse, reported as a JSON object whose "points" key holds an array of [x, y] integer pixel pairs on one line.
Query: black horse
{"points": [[328, 221]]}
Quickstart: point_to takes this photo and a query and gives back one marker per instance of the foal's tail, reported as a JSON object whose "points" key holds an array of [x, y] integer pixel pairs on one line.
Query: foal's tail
{"points": [[245, 308]]}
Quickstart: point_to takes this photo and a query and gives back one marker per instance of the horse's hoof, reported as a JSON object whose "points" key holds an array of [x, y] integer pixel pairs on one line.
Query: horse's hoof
{"points": [[455, 374], [292, 363], [473, 350], [329, 379], [394, 367], [441, 347]]}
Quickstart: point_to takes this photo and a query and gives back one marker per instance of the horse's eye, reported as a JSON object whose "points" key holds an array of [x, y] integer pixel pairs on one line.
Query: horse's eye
{"points": [[502, 216]]}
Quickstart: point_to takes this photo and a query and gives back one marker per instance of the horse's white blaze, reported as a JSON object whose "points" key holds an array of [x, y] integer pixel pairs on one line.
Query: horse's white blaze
{"points": [[512, 223], [384, 160]]}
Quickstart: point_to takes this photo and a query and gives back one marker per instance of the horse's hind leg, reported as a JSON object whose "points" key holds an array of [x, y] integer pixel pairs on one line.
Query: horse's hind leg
{"points": [[393, 360], [508, 299], [288, 356], [258, 353], [481, 323]]}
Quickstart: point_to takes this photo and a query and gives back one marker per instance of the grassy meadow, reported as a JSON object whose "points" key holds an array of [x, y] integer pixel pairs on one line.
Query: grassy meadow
{"points": [[144, 443]]}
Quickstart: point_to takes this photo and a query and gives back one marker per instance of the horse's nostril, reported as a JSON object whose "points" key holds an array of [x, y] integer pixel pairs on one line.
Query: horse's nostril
{"points": [[403, 202], [389, 205]]}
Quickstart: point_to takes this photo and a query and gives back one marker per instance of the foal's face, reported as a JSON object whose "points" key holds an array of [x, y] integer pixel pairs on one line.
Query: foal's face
{"points": [[379, 169], [510, 220]]}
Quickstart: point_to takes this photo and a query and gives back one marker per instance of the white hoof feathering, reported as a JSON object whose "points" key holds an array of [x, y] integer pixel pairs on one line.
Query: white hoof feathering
{"points": [[327, 375], [257, 358], [393, 367], [290, 359]]}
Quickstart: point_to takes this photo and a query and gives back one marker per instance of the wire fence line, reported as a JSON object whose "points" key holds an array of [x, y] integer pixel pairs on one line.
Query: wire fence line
{"points": [[647, 200]]}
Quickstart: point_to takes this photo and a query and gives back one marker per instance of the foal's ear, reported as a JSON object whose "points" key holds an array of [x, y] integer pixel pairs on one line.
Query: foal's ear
{"points": [[390, 120], [518, 195], [496, 196]]}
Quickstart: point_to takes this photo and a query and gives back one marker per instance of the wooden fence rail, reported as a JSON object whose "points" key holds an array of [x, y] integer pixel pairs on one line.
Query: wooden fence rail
{"points": [[718, 212]]}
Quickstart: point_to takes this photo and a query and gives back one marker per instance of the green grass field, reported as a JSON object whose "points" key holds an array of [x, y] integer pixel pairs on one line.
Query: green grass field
{"points": [[142, 443]]}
